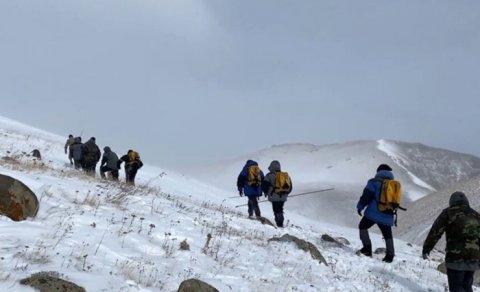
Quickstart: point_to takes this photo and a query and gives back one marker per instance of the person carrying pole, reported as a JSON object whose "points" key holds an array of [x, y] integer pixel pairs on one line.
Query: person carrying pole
{"points": [[249, 183]]}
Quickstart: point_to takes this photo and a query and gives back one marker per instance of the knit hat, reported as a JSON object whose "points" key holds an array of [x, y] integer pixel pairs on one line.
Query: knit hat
{"points": [[384, 167], [458, 198]]}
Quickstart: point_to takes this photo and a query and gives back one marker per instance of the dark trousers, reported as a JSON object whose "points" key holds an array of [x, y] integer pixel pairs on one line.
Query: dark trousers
{"points": [[113, 172], [460, 281], [386, 230], [278, 212], [253, 206], [77, 163], [89, 167], [130, 173]]}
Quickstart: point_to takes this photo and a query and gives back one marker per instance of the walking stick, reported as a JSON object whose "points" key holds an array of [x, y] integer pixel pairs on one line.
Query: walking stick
{"points": [[296, 195]]}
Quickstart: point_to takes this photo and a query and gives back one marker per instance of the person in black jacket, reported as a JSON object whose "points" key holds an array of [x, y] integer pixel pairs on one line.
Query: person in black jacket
{"points": [[109, 163], [91, 155], [75, 153], [132, 165]]}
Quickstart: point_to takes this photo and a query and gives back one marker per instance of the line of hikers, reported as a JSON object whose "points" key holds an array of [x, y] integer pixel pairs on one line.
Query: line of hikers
{"points": [[379, 203], [276, 186], [86, 156]]}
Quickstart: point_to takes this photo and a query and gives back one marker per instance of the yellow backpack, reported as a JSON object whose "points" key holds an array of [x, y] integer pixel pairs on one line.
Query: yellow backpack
{"points": [[253, 176], [133, 156], [283, 183], [390, 196]]}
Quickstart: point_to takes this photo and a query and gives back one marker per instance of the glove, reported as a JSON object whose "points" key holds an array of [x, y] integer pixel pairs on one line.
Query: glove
{"points": [[359, 212], [425, 256], [240, 192]]}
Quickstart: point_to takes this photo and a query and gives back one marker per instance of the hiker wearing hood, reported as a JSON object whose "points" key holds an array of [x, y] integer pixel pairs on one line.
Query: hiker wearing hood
{"points": [[461, 225], [249, 183], [75, 153], [384, 220], [109, 163], [278, 200]]}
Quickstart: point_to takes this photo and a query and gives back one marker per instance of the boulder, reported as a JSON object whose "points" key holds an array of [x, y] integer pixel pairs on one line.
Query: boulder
{"points": [[17, 201], [195, 285], [49, 282]]}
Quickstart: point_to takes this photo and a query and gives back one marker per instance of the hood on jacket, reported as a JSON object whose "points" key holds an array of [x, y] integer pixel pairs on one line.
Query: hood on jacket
{"points": [[274, 166], [107, 149], [384, 174], [458, 198], [250, 163]]}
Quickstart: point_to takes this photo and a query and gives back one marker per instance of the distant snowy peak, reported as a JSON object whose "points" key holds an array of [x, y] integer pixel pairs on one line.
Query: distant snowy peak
{"points": [[429, 167]]}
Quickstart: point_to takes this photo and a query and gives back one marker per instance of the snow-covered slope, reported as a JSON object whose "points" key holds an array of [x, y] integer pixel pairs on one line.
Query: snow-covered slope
{"points": [[347, 167], [107, 236]]}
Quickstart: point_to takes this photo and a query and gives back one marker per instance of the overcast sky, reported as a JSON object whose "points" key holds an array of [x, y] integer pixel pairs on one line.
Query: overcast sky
{"points": [[188, 82]]}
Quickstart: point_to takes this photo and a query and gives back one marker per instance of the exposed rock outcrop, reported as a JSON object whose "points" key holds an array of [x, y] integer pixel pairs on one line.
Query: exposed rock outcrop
{"points": [[195, 285], [303, 245]]}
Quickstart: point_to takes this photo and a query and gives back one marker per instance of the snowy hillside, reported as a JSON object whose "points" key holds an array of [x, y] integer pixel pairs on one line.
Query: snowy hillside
{"points": [[347, 167], [111, 237]]}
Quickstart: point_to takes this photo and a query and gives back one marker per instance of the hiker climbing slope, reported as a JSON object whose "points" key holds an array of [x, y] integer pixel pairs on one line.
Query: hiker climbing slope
{"points": [[249, 183], [69, 142], [91, 155], [75, 153], [370, 200], [132, 164], [276, 186], [461, 224], [109, 163]]}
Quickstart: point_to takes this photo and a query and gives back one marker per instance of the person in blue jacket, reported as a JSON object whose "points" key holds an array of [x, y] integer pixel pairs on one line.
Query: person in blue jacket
{"points": [[371, 216], [250, 189]]}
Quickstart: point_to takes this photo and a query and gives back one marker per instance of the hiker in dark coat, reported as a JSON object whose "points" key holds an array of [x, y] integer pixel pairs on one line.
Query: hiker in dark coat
{"points": [[69, 142], [461, 225], [372, 215], [132, 164], [109, 163], [251, 189], [75, 152], [91, 155], [268, 187]]}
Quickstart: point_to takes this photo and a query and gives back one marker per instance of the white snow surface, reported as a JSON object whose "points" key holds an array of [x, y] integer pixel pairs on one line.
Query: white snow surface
{"points": [[107, 236]]}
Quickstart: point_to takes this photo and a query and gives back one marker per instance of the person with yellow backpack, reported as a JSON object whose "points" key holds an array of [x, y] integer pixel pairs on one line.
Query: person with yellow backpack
{"points": [[380, 199], [249, 183], [132, 164], [276, 186]]}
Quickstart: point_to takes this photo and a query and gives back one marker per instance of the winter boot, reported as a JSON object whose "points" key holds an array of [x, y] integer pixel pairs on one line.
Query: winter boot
{"points": [[388, 258], [390, 250], [366, 251]]}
